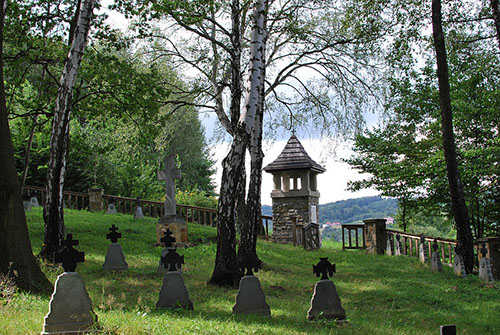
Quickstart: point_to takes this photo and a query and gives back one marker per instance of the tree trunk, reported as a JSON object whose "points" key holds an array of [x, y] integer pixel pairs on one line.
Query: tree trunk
{"points": [[495, 8], [59, 139], [226, 272], [253, 225], [465, 245], [28, 154], [17, 261]]}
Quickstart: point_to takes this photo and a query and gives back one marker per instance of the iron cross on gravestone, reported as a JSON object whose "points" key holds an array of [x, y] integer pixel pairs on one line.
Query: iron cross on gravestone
{"points": [[250, 263], [69, 256], [169, 174], [114, 235], [172, 261], [324, 268], [167, 238]]}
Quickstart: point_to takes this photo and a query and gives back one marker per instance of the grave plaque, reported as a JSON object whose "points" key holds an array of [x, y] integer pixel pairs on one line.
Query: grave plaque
{"points": [[250, 298], [70, 307], [436, 264], [115, 259], [325, 302], [314, 212]]}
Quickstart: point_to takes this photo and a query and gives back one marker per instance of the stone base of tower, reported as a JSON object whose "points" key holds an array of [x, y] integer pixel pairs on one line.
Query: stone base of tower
{"points": [[290, 215]]}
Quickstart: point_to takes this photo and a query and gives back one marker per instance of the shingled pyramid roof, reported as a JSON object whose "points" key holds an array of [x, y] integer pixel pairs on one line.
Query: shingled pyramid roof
{"points": [[294, 157]]}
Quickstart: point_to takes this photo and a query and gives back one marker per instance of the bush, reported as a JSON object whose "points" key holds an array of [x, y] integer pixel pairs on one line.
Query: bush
{"points": [[196, 197]]}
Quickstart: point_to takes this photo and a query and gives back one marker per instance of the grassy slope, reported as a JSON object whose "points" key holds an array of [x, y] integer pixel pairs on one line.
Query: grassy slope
{"points": [[381, 295]]}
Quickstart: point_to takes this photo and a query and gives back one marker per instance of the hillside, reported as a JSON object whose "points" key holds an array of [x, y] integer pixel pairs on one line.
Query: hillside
{"points": [[353, 210], [381, 294]]}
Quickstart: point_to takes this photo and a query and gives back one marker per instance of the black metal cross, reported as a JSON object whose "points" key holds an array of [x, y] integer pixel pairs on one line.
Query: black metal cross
{"points": [[484, 250], [167, 238], [250, 263], [172, 260], [69, 256], [435, 245], [422, 238], [398, 237], [324, 268], [114, 235], [138, 201]]}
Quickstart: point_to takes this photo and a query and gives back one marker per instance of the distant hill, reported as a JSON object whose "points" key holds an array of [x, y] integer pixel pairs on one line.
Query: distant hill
{"points": [[353, 210]]}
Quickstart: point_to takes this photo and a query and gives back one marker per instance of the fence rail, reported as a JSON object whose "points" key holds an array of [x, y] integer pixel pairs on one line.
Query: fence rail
{"points": [[124, 205], [410, 243]]}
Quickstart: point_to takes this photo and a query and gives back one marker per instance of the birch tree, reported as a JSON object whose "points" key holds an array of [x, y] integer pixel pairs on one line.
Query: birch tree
{"points": [[53, 212]]}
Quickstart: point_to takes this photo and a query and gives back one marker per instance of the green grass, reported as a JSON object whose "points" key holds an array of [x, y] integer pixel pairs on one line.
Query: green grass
{"points": [[381, 294]]}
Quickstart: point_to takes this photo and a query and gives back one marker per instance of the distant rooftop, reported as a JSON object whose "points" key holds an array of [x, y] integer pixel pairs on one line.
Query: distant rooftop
{"points": [[294, 157]]}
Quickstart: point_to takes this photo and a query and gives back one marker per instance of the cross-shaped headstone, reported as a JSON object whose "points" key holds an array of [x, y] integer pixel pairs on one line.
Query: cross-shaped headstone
{"points": [[167, 238], [398, 237], [324, 268], [69, 256], [114, 235], [422, 239], [169, 174], [484, 250], [250, 263], [435, 245], [172, 261], [138, 201]]}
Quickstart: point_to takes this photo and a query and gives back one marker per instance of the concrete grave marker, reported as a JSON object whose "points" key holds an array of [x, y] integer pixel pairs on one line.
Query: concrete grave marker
{"points": [[423, 253], [250, 298], [325, 301], [458, 264], [138, 215], [115, 259], [485, 272], [70, 308], [173, 293], [111, 207], [34, 202], [398, 247], [389, 248], [436, 264]]}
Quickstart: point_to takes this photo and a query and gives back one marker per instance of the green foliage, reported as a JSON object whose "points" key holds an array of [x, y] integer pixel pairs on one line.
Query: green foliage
{"points": [[195, 197], [381, 295]]}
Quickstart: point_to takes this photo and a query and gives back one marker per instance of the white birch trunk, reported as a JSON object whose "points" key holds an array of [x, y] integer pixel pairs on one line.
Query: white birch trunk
{"points": [[495, 8], [53, 207]]}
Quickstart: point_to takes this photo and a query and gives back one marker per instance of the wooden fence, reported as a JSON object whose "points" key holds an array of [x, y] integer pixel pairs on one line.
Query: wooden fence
{"points": [[200, 215], [410, 244]]}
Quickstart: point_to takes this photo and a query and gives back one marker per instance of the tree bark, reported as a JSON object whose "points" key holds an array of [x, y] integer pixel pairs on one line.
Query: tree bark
{"points": [[53, 213], [253, 225], [28, 153], [17, 261], [226, 270], [465, 245], [495, 8]]}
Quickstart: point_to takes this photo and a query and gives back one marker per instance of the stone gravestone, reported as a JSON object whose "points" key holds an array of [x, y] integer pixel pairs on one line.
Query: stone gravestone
{"points": [[389, 248], [115, 259], [167, 241], [325, 301], [26, 202], [111, 207], [398, 247], [458, 264], [70, 308], [34, 202], [423, 253], [138, 215], [173, 293], [170, 220], [436, 264], [250, 298], [485, 272]]}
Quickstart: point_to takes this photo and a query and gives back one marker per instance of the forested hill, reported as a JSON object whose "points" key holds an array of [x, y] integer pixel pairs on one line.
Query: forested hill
{"points": [[352, 210]]}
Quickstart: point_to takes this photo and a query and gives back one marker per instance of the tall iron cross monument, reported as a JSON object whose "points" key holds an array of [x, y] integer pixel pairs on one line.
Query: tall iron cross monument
{"points": [[169, 174]]}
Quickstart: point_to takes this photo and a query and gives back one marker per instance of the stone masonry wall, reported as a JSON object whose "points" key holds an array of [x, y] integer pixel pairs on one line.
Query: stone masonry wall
{"points": [[287, 208]]}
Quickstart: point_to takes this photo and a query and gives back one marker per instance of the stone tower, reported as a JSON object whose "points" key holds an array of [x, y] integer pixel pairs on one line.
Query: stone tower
{"points": [[295, 193]]}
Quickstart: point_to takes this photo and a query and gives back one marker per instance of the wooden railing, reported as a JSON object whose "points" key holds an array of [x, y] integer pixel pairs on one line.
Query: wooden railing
{"points": [[200, 215], [410, 244]]}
